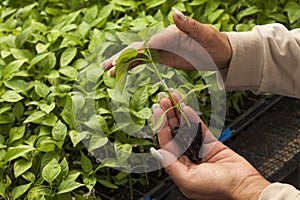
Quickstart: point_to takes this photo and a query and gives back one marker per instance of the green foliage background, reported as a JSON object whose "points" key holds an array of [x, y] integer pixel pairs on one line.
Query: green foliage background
{"points": [[43, 46]]}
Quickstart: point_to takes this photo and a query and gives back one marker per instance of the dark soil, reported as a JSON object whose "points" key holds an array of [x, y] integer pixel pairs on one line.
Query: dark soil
{"points": [[185, 138]]}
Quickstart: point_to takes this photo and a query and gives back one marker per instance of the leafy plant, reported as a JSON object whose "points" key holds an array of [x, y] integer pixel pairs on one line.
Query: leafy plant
{"points": [[48, 46]]}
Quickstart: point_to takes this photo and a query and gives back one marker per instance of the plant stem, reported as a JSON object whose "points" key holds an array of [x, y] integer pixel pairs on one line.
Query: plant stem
{"points": [[166, 87], [130, 187]]}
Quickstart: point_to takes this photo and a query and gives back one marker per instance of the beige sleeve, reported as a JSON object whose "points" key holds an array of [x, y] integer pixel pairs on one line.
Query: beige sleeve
{"points": [[280, 191], [266, 59]]}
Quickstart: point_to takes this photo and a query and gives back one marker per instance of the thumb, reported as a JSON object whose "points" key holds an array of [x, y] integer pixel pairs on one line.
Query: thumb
{"points": [[191, 27], [176, 170]]}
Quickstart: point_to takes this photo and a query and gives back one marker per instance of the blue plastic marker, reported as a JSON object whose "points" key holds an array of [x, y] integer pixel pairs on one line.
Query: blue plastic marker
{"points": [[225, 135]]}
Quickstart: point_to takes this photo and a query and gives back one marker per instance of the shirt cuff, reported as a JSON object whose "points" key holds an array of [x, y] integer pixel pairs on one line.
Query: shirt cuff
{"points": [[280, 191], [246, 66]]}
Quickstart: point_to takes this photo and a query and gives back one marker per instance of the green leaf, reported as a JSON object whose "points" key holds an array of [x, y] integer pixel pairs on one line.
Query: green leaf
{"points": [[68, 186], [86, 164], [198, 2], [41, 89], [67, 113], [76, 137], [16, 152], [21, 166], [97, 122], [19, 190], [47, 108], [123, 151], [122, 63], [67, 56], [4, 109], [59, 131], [2, 189], [29, 176], [145, 113], [139, 98], [90, 182], [248, 11], [38, 59], [64, 168], [293, 11], [21, 53], [50, 120], [215, 15], [35, 116], [17, 85], [16, 133], [94, 75], [128, 38], [40, 47], [12, 67], [107, 184], [70, 72], [97, 141], [11, 96], [154, 3], [51, 171], [91, 14], [22, 37]]}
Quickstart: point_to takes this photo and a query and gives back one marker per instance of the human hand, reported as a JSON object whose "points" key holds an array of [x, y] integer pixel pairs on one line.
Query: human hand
{"points": [[185, 45], [222, 173]]}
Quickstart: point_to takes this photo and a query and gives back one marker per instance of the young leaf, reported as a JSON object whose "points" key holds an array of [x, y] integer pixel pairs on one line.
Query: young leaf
{"points": [[21, 166], [145, 113], [59, 131], [90, 182], [12, 67], [86, 164], [11, 96], [64, 168], [70, 72], [35, 116], [17, 85], [16, 133], [47, 108], [2, 190], [139, 98], [41, 89], [19, 190], [68, 186], [38, 59], [67, 56], [248, 11], [67, 113], [16, 152], [76, 137], [51, 171], [22, 37], [122, 63], [123, 151], [107, 184], [97, 141]]}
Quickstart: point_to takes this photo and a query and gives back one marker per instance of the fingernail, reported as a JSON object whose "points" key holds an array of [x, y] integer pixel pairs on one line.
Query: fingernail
{"points": [[109, 71], [103, 64], [182, 105], [172, 90], [179, 14], [156, 154], [114, 62], [155, 106], [161, 95]]}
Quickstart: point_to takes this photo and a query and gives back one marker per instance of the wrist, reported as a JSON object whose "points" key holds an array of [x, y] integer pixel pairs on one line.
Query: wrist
{"points": [[251, 188]]}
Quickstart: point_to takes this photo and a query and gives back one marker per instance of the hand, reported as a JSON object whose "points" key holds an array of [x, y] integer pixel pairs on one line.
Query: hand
{"points": [[191, 38], [222, 173]]}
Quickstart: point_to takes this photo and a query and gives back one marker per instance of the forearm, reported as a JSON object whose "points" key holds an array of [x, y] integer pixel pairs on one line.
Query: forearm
{"points": [[266, 59]]}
